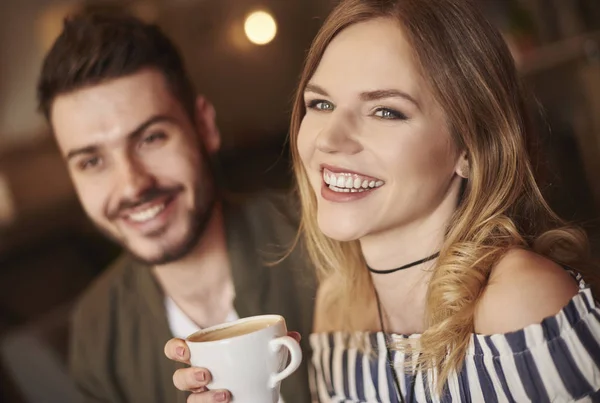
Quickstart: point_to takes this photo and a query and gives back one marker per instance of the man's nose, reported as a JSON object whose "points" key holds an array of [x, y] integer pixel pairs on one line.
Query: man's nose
{"points": [[133, 179]]}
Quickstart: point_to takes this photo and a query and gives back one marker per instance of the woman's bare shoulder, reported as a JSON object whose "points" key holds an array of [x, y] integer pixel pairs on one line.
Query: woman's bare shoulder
{"points": [[524, 288]]}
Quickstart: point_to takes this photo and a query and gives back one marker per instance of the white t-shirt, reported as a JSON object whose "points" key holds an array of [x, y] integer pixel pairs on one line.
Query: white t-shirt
{"points": [[182, 326]]}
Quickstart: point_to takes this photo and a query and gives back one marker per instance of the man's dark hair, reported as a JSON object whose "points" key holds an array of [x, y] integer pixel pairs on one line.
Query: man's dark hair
{"points": [[98, 46]]}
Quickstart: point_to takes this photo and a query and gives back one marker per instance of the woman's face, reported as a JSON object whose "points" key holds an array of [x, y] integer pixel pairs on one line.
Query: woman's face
{"points": [[374, 142]]}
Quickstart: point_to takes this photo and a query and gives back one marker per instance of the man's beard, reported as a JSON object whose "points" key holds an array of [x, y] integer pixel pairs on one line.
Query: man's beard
{"points": [[197, 222]]}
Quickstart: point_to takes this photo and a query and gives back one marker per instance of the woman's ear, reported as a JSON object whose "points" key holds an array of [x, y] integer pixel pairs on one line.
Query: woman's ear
{"points": [[462, 167]]}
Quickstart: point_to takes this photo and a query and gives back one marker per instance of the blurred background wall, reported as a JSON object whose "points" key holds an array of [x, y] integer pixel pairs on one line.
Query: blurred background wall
{"points": [[48, 250]]}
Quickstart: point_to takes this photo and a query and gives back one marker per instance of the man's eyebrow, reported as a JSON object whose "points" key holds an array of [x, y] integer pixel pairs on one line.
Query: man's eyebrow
{"points": [[92, 148]]}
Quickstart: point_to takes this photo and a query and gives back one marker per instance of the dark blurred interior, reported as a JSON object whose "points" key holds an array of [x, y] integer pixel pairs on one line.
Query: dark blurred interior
{"points": [[48, 250]]}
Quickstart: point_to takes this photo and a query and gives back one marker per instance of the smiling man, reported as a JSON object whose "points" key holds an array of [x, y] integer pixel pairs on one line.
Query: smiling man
{"points": [[137, 164], [139, 146]]}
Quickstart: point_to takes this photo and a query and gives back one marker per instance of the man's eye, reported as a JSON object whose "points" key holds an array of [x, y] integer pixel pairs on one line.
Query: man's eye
{"points": [[89, 163], [154, 138]]}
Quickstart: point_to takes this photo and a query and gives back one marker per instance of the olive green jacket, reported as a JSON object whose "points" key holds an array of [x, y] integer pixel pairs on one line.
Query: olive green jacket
{"points": [[120, 327]]}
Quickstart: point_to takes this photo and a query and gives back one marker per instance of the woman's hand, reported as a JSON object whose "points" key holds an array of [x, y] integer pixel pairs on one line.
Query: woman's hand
{"points": [[194, 379]]}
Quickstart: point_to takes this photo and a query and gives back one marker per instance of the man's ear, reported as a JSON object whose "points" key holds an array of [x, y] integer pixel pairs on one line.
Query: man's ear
{"points": [[207, 125]]}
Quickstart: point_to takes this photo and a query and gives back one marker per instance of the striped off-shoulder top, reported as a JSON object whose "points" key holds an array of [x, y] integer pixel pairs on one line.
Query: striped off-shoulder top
{"points": [[557, 360]]}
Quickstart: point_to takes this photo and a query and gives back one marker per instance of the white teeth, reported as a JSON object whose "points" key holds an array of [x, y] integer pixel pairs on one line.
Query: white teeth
{"points": [[349, 181], [345, 190], [147, 214]]}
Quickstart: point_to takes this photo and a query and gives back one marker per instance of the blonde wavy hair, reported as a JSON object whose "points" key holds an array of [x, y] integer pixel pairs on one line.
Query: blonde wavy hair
{"points": [[472, 75]]}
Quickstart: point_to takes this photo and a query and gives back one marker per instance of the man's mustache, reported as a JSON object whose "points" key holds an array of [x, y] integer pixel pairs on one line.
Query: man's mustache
{"points": [[146, 197]]}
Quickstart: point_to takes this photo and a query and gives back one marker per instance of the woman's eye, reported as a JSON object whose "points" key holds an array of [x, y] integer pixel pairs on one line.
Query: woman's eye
{"points": [[320, 105], [389, 114]]}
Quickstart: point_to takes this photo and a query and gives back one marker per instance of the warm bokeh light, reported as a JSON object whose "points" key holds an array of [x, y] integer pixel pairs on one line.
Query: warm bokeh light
{"points": [[260, 27]]}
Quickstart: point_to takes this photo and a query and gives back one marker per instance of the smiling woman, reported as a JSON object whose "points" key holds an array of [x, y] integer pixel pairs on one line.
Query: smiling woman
{"points": [[410, 141], [367, 123]]}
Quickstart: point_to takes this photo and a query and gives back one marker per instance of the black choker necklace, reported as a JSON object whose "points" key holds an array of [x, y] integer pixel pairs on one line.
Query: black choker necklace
{"points": [[406, 266]]}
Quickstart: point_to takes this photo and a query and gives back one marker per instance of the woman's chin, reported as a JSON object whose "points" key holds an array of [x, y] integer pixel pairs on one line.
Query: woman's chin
{"points": [[342, 232]]}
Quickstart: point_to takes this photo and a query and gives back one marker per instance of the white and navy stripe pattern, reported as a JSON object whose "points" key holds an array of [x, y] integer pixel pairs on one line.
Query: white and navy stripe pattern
{"points": [[555, 361]]}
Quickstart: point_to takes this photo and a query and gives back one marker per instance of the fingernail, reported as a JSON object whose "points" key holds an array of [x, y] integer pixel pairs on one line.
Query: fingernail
{"points": [[180, 351], [200, 376], [221, 397]]}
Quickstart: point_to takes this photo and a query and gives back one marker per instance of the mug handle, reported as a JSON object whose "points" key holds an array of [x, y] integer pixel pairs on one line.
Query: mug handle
{"points": [[295, 358]]}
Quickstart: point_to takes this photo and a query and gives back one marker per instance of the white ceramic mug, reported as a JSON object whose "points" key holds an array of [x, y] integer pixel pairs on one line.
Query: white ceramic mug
{"points": [[247, 357]]}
